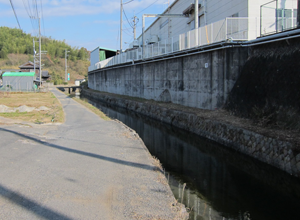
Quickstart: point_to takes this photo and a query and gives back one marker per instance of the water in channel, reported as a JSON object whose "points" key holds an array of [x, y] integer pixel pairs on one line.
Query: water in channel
{"points": [[221, 184]]}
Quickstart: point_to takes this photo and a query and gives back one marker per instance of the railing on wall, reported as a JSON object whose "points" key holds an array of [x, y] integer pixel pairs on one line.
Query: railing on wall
{"points": [[233, 29], [277, 16]]}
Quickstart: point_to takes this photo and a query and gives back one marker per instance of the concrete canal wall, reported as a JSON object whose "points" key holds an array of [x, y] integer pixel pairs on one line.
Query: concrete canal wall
{"points": [[281, 154], [202, 80], [258, 82]]}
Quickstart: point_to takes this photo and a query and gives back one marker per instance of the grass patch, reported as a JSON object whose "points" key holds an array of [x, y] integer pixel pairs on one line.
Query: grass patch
{"points": [[92, 108], [36, 100]]}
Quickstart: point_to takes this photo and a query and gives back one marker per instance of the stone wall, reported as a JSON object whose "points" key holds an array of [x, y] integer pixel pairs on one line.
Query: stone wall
{"points": [[280, 154], [200, 80]]}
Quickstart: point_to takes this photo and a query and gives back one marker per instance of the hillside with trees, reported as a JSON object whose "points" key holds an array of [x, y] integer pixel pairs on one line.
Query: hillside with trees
{"points": [[16, 48]]}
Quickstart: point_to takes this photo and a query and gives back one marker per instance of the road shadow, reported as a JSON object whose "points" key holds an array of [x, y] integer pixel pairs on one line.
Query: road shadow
{"points": [[30, 205], [110, 159]]}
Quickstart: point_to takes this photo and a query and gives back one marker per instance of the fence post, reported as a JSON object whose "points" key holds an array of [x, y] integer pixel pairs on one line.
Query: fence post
{"points": [[165, 46], [212, 33], [261, 20], [188, 39], [152, 50], [199, 36], [226, 37], [172, 47]]}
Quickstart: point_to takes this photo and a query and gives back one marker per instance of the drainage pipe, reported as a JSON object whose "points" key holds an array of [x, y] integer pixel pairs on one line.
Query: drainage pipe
{"points": [[281, 35], [269, 41]]}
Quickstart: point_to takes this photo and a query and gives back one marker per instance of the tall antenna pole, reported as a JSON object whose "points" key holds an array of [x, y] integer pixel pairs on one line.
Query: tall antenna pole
{"points": [[134, 27], [40, 50], [66, 65], [121, 26], [196, 15], [66, 76], [33, 55]]}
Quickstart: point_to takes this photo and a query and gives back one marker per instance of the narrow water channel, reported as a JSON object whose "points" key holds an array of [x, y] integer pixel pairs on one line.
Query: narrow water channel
{"points": [[221, 184]]}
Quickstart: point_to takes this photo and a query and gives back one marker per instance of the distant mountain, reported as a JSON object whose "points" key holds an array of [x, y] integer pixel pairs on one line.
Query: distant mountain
{"points": [[16, 48], [13, 40]]}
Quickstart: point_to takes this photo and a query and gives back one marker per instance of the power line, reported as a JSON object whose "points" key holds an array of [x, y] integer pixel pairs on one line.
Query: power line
{"points": [[117, 38], [43, 16], [147, 7], [127, 18], [15, 13]]}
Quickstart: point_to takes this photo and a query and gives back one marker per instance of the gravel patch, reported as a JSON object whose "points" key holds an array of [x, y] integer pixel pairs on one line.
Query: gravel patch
{"points": [[23, 108]]}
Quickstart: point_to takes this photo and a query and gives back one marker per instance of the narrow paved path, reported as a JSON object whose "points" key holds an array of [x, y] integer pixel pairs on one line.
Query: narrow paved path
{"points": [[86, 168]]}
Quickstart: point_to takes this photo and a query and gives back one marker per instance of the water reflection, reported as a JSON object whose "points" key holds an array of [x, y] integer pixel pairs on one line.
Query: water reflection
{"points": [[221, 183]]}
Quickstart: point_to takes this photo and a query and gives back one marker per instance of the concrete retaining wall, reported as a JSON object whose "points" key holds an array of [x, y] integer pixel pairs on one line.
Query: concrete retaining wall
{"points": [[280, 154], [201, 80]]}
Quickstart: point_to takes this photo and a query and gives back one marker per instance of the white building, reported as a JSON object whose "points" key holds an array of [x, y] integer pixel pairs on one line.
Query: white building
{"points": [[258, 13], [218, 21]]}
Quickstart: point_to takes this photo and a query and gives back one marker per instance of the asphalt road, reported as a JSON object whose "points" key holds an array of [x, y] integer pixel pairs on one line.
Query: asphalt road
{"points": [[86, 168]]}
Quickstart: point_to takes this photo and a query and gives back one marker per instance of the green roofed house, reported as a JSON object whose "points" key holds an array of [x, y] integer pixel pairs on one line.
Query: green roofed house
{"points": [[18, 81], [100, 54]]}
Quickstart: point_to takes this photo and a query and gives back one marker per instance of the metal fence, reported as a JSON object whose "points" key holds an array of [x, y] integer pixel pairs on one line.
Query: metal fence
{"points": [[233, 29], [19, 86], [277, 16]]}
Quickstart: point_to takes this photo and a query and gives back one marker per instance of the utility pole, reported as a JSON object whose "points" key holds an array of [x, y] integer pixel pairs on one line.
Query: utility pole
{"points": [[66, 66], [121, 22], [121, 25], [196, 14], [40, 51], [196, 21], [135, 20], [159, 16], [33, 55]]}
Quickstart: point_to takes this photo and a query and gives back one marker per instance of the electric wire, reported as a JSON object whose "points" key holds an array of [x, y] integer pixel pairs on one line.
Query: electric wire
{"points": [[147, 7], [118, 38], [127, 18], [28, 12], [15, 14], [42, 12]]}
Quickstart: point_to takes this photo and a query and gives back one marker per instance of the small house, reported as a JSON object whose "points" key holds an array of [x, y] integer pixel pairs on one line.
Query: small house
{"points": [[18, 81], [29, 67], [79, 81]]}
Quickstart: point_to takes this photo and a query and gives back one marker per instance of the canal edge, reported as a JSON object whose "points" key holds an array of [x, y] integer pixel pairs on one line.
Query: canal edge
{"points": [[281, 154]]}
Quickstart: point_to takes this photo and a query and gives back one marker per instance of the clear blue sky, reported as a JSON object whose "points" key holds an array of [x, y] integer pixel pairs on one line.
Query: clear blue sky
{"points": [[82, 23]]}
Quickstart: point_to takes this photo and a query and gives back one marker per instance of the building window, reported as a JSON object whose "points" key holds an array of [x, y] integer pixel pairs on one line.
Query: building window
{"points": [[164, 23], [286, 19], [192, 23]]}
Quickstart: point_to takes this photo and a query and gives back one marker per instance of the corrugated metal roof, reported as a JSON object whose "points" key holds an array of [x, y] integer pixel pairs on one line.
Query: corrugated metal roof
{"points": [[18, 74], [103, 48]]}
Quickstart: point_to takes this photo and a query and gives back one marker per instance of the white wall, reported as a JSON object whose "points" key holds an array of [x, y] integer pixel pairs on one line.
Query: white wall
{"points": [[220, 9], [175, 26], [95, 56], [216, 10], [268, 12], [213, 11]]}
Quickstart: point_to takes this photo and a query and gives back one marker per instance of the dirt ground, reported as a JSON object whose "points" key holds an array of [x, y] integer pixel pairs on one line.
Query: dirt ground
{"points": [[54, 112]]}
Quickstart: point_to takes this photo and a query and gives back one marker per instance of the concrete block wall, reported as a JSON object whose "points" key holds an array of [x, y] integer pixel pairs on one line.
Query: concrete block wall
{"points": [[200, 80]]}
